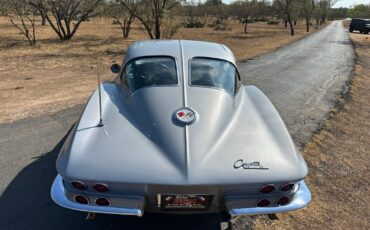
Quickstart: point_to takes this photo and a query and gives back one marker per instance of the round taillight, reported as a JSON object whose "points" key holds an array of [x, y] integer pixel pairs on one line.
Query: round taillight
{"points": [[81, 199], [283, 200], [102, 201], [287, 187], [263, 203], [267, 188], [101, 187], [79, 185]]}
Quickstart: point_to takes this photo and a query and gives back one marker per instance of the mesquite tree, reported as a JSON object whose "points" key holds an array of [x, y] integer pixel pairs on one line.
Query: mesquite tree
{"points": [[285, 6], [35, 4], [22, 17], [151, 13], [65, 16], [308, 7], [122, 16]]}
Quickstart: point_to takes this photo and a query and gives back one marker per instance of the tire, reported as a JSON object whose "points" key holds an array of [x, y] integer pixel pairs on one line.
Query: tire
{"points": [[350, 30]]}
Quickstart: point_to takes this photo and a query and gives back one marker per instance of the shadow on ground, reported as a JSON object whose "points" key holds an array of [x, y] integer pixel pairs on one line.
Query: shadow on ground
{"points": [[26, 204]]}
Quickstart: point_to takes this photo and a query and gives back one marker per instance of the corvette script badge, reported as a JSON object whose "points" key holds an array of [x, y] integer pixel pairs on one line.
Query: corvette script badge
{"points": [[253, 165], [185, 115]]}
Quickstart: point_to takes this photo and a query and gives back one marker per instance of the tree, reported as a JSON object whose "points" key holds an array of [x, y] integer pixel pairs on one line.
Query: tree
{"points": [[322, 9], [339, 13], [308, 7], [35, 4], [215, 8], [67, 14], [22, 17], [151, 13], [243, 10], [122, 16], [360, 11], [285, 6]]}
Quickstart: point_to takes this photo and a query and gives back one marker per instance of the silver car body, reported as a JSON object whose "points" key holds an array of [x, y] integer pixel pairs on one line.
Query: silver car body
{"points": [[237, 144]]}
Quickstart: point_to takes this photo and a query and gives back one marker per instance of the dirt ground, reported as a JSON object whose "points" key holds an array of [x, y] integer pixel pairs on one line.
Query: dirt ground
{"points": [[338, 158], [55, 75]]}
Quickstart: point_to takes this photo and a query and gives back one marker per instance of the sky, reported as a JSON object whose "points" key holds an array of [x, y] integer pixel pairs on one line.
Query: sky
{"points": [[340, 3]]}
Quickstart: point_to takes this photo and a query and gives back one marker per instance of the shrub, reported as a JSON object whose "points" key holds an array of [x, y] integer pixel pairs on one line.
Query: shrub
{"points": [[219, 24], [193, 23], [272, 22]]}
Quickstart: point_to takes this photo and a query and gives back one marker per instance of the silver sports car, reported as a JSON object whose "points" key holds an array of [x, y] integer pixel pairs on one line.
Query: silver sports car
{"points": [[179, 134]]}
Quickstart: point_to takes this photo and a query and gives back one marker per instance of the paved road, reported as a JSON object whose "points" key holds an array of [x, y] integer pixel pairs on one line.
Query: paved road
{"points": [[303, 80]]}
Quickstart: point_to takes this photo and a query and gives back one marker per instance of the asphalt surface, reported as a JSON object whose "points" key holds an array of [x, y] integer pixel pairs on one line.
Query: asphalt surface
{"points": [[303, 80]]}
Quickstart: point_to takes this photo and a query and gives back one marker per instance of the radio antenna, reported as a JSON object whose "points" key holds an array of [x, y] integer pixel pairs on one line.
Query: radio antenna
{"points": [[101, 124]]}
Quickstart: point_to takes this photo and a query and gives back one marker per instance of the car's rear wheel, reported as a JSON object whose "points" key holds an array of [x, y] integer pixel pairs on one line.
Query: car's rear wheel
{"points": [[350, 30]]}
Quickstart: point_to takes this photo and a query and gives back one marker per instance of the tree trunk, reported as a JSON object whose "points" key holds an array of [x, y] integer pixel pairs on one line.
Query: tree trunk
{"points": [[295, 22], [126, 31], [43, 18], [307, 25], [285, 23], [157, 28], [323, 20], [245, 25], [290, 24]]}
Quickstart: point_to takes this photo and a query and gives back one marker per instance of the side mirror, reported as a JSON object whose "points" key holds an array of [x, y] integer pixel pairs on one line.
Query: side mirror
{"points": [[115, 68]]}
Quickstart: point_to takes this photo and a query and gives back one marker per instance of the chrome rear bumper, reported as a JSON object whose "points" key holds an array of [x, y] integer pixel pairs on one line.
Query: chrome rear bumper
{"points": [[59, 196], [301, 199]]}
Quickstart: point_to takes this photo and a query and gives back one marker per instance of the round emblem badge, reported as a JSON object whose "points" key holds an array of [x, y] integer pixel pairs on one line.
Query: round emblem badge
{"points": [[185, 115]]}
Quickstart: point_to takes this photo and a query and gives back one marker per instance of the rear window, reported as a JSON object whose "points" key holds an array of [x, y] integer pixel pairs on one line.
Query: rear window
{"points": [[149, 71], [213, 73]]}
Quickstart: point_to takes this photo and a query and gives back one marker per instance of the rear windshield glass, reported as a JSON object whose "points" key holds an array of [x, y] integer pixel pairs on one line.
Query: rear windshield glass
{"points": [[213, 73], [150, 71]]}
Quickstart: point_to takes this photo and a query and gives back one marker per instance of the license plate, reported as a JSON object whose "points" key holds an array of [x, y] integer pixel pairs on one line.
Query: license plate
{"points": [[186, 202]]}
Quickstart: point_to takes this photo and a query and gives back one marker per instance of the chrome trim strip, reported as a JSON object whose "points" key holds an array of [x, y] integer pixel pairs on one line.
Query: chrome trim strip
{"points": [[185, 97], [59, 197], [301, 199]]}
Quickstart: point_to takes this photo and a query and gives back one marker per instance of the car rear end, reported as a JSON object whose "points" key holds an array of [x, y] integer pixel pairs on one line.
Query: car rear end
{"points": [[361, 25], [135, 199]]}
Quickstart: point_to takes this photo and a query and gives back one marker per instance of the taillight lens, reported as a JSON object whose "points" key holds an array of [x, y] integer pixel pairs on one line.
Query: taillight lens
{"points": [[79, 185], [287, 187], [101, 187], [267, 188], [102, 201], [283, 200], [263, 203], [81, 199]]}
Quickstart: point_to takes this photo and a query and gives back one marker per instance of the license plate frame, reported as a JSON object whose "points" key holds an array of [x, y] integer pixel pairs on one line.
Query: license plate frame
{"points": [[185, 202]]}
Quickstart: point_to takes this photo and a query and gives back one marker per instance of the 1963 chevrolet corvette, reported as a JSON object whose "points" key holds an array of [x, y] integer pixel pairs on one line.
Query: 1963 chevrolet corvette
{"points": [[180, 134]]}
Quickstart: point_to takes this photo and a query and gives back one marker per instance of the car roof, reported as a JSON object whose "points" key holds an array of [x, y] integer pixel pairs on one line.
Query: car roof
{"points": [[179, 49], [360, 19]]}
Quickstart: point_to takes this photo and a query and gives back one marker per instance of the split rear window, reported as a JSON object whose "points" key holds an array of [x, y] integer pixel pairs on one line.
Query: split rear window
{"points": [[213, 73], [149, 71]]}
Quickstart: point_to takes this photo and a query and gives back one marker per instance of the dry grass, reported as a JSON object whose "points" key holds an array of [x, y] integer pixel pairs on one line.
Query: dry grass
{"points": [[338, 158], [55, 75]]}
